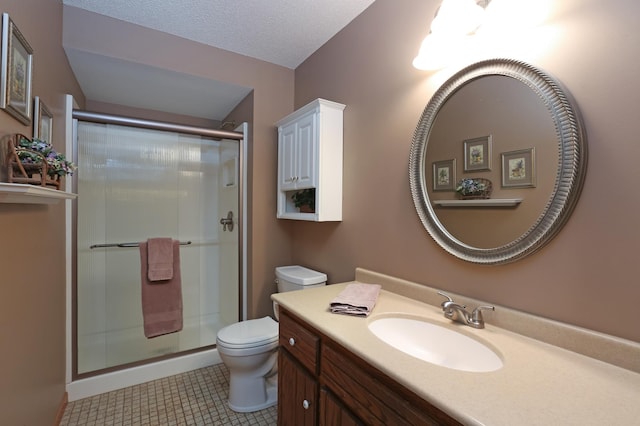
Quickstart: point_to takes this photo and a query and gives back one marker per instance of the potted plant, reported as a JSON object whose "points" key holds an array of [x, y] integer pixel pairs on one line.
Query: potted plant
{"points": [[35, 162], [305, 200], [479, 188], [35, 151]]}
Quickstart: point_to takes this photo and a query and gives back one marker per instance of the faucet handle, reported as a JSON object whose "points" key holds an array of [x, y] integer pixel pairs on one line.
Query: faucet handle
{"points": [[445, 295], [447, 303], [476, 315]]}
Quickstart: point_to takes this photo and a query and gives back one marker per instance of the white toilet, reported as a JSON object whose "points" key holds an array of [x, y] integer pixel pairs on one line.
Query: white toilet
{"points": [[249, 348]]}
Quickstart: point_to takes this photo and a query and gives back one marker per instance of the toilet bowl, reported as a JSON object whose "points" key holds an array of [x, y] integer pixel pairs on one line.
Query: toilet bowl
{"points": [[249, 348]]}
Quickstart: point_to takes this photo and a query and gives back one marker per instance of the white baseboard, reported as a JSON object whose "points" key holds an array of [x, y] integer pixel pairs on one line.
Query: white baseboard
{"points": [[91, 386]]}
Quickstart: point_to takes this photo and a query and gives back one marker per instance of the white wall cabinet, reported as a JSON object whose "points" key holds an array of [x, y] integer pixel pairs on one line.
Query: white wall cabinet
{"points": [[310, 157], [296, 153]]}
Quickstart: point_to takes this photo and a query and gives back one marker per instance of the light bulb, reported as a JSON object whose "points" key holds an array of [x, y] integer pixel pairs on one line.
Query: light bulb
{"points": [[457, 17], [437, 51]]}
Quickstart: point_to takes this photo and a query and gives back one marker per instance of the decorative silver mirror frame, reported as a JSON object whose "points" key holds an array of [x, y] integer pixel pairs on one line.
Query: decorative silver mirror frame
{"points": [[571, 171]]}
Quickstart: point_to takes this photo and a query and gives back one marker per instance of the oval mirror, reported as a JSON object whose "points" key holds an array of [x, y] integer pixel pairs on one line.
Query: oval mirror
{"points": [[511, 132]]}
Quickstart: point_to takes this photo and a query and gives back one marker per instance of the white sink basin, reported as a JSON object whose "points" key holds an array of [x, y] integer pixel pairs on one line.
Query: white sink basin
{"points": [[435, 344]]}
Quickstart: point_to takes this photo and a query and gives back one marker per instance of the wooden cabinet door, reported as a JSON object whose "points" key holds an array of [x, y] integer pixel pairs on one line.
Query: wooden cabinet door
{"points": [[333, 413], [297, 393]]}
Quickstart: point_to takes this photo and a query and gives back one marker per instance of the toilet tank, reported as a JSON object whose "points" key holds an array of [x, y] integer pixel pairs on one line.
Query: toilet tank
{"points": [[296, 277]]}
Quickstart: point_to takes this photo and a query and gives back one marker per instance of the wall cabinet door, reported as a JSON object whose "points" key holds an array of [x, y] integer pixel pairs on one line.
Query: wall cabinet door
{"points": [[297, 157], [307, 158], [287, 156]]}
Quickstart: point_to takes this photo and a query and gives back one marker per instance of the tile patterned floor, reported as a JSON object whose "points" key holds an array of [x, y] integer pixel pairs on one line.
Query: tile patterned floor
{"points": [[194, 398]]}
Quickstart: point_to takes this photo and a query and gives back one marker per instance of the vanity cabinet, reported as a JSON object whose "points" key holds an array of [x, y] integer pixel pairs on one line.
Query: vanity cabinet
{"points": [[321, 382], [310, 158]]}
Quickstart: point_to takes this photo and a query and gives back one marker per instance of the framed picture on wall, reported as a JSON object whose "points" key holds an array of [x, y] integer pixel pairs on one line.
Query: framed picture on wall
{"points": [[444, 175], [519, 168], [42, 121], [16, 72], [477, 154]]}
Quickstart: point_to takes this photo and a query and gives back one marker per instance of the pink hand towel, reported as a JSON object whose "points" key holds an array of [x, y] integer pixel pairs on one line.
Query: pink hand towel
{"points": [[161, 301], [356, 299], [160, 259]]}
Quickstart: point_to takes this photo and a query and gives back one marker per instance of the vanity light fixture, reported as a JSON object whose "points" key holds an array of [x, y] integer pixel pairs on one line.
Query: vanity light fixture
{"points": [[458, 17], [462, 28], [514, 16], [451, 29]]}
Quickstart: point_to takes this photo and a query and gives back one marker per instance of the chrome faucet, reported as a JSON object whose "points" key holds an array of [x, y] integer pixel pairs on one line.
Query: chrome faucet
{"points": [[457, 312]]}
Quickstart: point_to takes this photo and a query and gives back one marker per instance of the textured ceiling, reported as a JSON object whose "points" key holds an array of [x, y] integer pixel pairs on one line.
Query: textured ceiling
{"points": [[282, 32]]}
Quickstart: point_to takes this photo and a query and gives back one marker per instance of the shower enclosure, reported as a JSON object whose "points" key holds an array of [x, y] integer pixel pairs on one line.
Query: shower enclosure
{"points": [[139, 183]]}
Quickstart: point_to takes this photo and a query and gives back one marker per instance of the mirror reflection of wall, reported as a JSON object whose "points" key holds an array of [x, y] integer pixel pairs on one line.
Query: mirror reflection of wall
{"points": [[515, 118]]}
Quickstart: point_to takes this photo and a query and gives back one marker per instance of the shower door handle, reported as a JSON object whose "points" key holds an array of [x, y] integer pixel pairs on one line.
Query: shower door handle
{"points": [[227, 222]]}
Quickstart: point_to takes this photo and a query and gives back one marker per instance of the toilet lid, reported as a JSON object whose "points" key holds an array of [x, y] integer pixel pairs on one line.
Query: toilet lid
{"points": [[249, 333]]}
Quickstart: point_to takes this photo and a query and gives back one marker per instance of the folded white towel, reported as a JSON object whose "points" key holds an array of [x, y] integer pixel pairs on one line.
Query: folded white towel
{"points": [[356, 299]]}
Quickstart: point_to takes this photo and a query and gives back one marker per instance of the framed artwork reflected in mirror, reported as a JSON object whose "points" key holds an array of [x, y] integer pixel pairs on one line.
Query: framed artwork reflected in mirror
{"points": [[519, 168], [444, 175], [477, 154]]}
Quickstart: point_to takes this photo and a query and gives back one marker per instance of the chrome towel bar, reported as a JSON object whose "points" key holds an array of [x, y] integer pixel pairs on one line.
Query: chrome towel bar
{"points": [[182, 243]]}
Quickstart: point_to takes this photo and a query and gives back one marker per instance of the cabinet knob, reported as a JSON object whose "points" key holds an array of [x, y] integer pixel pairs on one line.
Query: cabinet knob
{"points": [[306, 404], [292, 341]]}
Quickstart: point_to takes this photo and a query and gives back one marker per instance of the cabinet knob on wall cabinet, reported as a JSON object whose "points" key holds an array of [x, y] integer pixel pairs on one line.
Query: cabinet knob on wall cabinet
{"points": [[306, 404], [292, 341]]}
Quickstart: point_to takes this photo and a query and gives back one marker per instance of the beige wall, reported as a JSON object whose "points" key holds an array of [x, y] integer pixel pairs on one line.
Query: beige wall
{"points": [[32, 261], [587, 275]]}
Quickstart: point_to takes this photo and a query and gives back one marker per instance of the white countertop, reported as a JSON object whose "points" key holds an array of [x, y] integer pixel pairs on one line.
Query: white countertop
{"points": [[539, 384]]}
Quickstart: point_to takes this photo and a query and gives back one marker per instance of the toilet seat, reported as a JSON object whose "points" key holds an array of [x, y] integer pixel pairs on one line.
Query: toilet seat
{"points": [[249, 334]]}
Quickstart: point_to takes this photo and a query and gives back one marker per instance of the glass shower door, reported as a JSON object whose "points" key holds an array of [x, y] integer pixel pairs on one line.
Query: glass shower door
{"points": [[135, 184]]}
